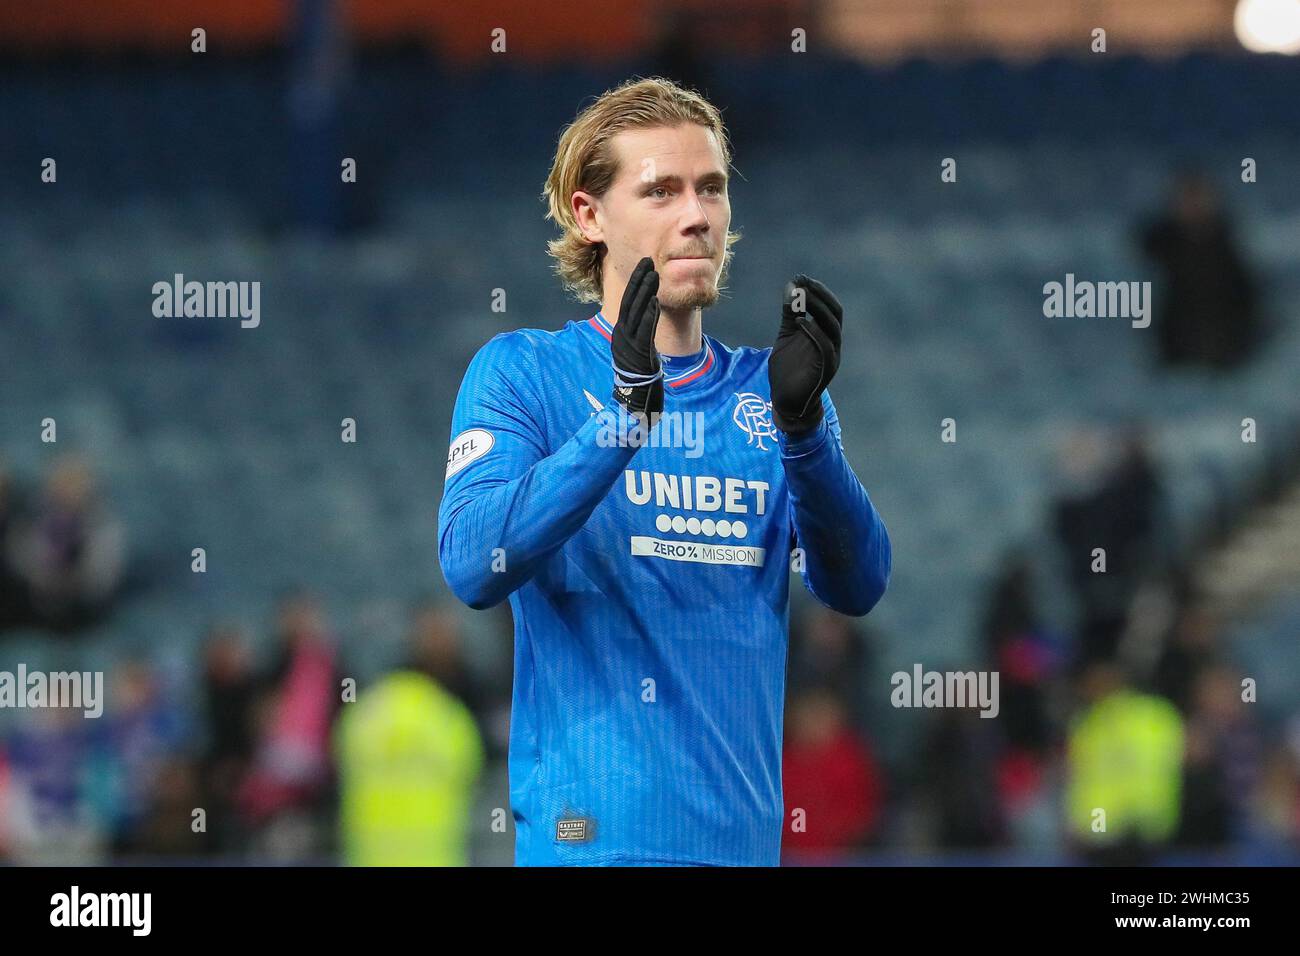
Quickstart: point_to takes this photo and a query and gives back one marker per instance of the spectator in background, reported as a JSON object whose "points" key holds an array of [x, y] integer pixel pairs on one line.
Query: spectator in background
{"points": [[831, 650], [1222, 762], [138, 734], [229, 697], [70, 554], [1275, 804], [830, 779], [1208, 313], [166, 829], [435, 643], [1019, 648], [288, 789], [1189, 649], [957, 784], [1125, 765], [409, 754], [13, 593], [486, 689], [1112, 501], [50, 817]]}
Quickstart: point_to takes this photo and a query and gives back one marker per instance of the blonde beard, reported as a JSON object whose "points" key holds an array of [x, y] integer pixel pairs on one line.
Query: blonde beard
{"points": [[691, 298]]}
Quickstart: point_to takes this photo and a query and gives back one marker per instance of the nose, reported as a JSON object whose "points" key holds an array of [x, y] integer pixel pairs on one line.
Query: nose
{"points": [[696, 218]]}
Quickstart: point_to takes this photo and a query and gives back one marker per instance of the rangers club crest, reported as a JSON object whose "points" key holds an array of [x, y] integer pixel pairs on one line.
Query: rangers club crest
{"points": [[752, 416]]}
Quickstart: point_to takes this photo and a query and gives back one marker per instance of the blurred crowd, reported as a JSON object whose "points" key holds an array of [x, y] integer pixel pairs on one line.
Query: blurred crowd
{"points": [[286, 760], [280, 757], [1124, 738]]}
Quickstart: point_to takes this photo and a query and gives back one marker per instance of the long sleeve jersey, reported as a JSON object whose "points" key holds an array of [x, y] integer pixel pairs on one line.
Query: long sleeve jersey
{"points": [[649, 581]]}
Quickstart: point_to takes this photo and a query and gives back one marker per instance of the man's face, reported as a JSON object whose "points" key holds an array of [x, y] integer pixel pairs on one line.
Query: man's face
{"points": [[669, 201]]}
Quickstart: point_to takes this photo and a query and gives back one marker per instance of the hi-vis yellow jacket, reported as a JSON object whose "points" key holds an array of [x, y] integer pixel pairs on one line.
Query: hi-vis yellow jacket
{"points": [[408, 754]]}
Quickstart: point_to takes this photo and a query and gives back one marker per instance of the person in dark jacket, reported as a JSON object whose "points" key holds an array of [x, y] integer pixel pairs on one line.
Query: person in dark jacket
{"points": [[1208, 313]]}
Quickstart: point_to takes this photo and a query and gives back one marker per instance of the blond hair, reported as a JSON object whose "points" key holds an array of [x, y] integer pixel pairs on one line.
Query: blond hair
{"points": [[585, 160]]}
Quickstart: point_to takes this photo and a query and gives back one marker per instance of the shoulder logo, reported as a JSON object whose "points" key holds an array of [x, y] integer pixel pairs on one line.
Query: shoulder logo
{"points": [[596, 403], [752, 416], [466, 447]]}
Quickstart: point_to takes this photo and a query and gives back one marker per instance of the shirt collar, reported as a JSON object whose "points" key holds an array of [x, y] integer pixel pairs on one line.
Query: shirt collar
{"points": [[677, 378]]}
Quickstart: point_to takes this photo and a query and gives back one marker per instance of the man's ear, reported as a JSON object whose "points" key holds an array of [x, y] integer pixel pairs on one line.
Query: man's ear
{"points": [[586, 212]]}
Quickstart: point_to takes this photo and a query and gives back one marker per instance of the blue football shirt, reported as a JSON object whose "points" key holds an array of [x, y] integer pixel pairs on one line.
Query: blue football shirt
{"points": [[650, 589]]}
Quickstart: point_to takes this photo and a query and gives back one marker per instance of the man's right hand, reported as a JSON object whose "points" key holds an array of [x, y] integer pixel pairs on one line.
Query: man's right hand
{"points": [[638, 376]]}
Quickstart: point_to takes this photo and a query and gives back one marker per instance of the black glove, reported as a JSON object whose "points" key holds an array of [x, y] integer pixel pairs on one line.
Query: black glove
{"points": [[805, 357], [638, 376]]}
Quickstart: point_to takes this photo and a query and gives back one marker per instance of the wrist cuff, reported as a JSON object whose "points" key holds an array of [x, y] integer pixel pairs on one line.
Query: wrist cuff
{"points": [[803, 442]]}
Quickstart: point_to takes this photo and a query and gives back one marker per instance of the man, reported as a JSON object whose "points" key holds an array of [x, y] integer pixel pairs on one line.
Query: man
{"points": [[409, 754], [1209, 313], [647, 570], [1125, 755]]}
